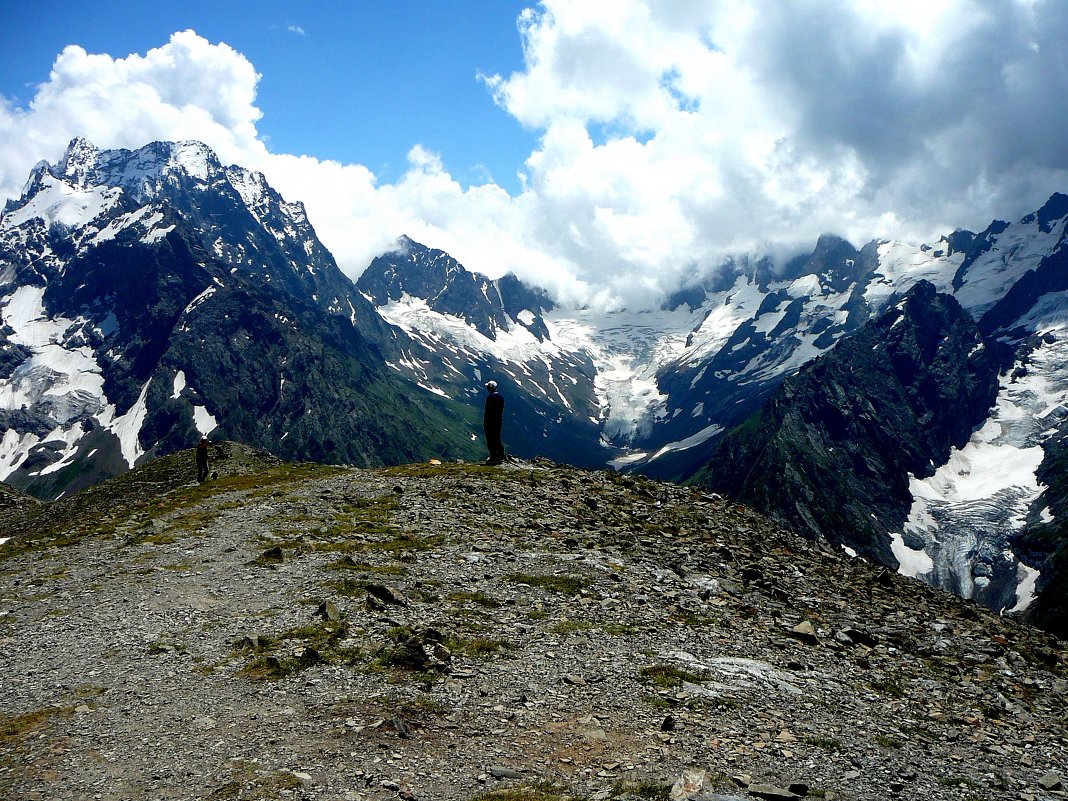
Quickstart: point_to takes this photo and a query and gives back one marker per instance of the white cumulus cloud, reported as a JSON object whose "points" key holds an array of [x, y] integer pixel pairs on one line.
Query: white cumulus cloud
{"points": [[671, 133]]}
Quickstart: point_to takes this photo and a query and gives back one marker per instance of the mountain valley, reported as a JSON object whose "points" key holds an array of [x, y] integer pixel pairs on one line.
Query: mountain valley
{"points": [[150, 297]]}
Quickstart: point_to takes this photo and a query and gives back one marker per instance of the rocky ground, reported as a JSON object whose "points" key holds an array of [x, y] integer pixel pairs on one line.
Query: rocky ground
{"points": [[522, 633]]}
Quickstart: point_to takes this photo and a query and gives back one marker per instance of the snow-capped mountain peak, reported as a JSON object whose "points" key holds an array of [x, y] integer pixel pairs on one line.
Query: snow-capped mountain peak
{"points": [[141, 173], [53, 200], [79, 161], [113, 258]]}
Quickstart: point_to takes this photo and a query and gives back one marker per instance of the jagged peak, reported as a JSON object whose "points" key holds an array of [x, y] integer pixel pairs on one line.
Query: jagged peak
{"points": [[34, 180], [1054, 209], [196, 158], [828, 241], [251, 185], [137, 170], [79, 159]]}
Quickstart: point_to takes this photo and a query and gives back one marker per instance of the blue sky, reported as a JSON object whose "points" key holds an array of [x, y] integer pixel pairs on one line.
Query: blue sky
{"points": [[358, 81], [655, 138]]}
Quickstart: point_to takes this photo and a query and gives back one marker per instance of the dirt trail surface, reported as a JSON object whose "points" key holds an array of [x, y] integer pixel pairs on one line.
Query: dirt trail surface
{"points": [[529, 632]]}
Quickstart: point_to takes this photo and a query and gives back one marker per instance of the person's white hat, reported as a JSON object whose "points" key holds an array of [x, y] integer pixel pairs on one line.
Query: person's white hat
{"points": [[491, 385]]}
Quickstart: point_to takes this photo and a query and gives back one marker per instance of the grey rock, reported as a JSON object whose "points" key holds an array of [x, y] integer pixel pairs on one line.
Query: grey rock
{"points": [[386, 595], [859, 637], [502, 772], [805, 632], [271, 555], [1051, 781], [328, 610], [770, 792], [400, 726]]}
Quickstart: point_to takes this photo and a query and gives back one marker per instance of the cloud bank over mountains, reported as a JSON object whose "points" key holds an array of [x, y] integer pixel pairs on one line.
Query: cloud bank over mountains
{"points": [[671, 133]]}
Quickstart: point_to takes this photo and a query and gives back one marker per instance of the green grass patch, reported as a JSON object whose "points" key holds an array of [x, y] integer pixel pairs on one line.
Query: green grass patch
{"points": [[567, 626], [694, 620], [566, 585], [659, 702], [668, 676], [476, 647], [249, 783], [149, 538], [16, 728], [889, 686], [826, 743], [477, 597], [348, 563], [918, 730], [620, 629], [422, 708], [401, 541], [536, 791], [295, 649], [959, 781], [647, 790], [409, 649]]}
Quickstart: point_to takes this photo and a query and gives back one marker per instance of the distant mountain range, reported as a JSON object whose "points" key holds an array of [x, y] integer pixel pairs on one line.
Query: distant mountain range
{"points": [[903, 402], [152, 296]]}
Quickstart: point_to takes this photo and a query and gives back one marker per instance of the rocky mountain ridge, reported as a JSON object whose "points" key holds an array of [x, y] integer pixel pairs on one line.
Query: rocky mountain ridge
{"points": [[831, 454], [453, 632], [973, 515], [151, 296], [148, 297]]}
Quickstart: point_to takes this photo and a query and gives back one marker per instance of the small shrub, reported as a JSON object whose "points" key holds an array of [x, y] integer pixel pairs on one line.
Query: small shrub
{"points": [[889, 687]]}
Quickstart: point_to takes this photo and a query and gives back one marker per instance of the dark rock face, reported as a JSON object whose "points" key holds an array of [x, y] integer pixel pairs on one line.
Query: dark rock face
{"points": [[831, 452], [1045, 544]]}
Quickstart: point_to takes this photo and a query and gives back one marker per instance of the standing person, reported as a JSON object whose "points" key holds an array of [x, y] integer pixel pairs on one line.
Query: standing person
{"points": [[492, 421], [202, 459]]}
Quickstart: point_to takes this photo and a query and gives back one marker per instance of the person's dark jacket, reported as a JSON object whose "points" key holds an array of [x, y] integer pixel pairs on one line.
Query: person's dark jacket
{"points": [[494, 414]]}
